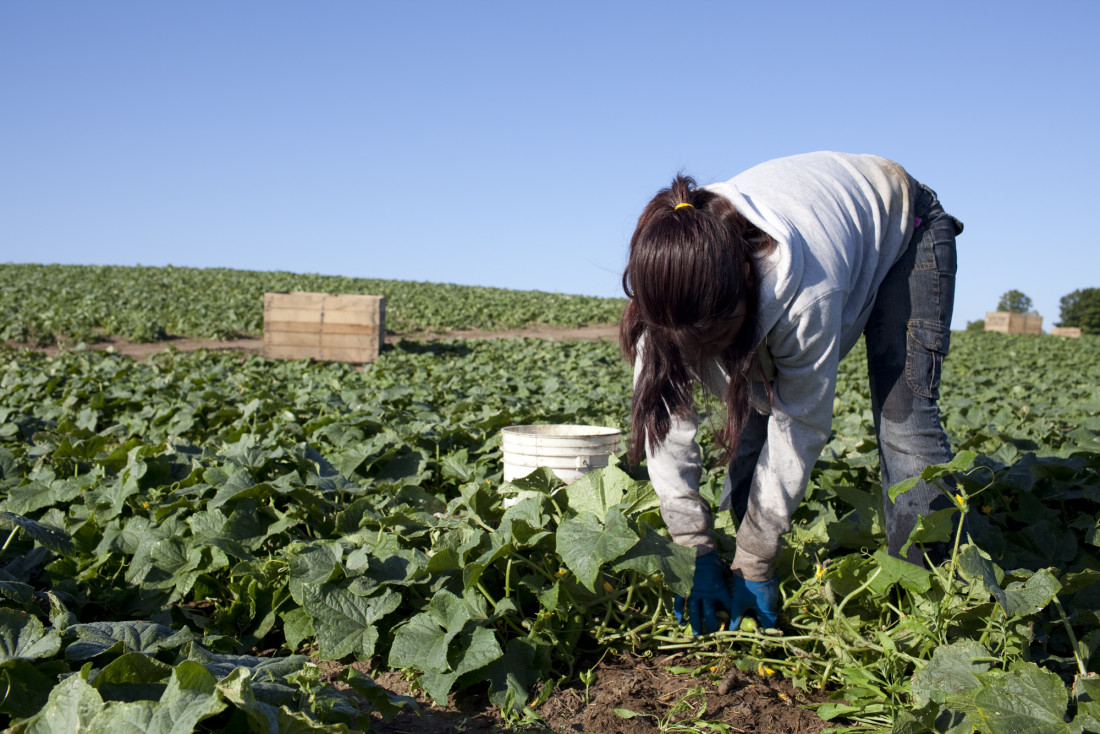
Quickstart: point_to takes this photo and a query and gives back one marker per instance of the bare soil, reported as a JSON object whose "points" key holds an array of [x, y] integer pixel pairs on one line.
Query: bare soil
{"points": [[252, 345], [630, 695]]}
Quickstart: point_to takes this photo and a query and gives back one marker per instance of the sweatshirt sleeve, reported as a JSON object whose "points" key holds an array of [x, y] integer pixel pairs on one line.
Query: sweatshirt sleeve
{"points": [[674, 468], [806, 354]]}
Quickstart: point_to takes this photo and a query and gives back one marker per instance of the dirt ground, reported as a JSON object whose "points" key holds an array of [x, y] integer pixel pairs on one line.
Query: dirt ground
{"points": [[139, 350], [659, 699]]}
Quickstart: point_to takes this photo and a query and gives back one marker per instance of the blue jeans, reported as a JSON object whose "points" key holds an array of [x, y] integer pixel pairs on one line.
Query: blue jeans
{"points": [[907, 336]]}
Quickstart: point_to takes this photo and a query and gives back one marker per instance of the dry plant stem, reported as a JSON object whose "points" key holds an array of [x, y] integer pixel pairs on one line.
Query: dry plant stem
{"points": [[11, 536], [1072, 637]]}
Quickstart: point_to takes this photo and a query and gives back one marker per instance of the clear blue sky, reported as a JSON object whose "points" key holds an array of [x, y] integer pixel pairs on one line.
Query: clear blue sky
{"points": [[513, 144]]}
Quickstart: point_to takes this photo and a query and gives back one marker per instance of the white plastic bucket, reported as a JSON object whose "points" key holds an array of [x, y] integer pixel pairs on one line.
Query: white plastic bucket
{"points": [[569, 451]]}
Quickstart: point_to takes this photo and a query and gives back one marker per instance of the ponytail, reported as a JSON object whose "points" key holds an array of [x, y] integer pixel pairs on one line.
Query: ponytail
{"points": [[687, 275]]}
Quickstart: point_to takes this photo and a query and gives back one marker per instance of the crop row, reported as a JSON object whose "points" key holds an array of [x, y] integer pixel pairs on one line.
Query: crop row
{"points": [[73, 303], [173, 519]]}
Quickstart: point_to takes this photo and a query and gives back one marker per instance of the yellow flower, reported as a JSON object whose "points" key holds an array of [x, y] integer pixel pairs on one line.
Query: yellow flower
{"points": [[764, 670], [820, 571], [986, 509], [562, 571], [959, 499]]}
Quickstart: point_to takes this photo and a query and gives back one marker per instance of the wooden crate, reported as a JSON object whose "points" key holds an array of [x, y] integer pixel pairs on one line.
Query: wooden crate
{"points": [[1008, 322], [324, 326], [1073, 332]]}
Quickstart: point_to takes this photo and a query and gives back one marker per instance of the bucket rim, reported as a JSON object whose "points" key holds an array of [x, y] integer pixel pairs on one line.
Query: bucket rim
{"points": [[561, 430]]}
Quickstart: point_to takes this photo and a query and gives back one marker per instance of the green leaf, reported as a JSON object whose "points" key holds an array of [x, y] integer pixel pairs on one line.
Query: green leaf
{"points": [[27, 684], [297, 627], [1075, 581], [23, 636], [36, 495], [514, 674], [1019, 598], [598, 491], [49, 537], [420, 644], [314, 564], [935, 528], [396, 568], [656, 554], [405, 466], [263, 672], [541, 481], [95, 638], [344, 622], [897, 571], [17, 591], [954, 668], [976, 567], [830, 711], [72, 706], [131, 677], [474, 650], [626, 713], [1087, 693], [585, 547], [868, 505], [1031, 596], [237, 688], [1025, 699], [299, 722], [525, 522], [239, 486], [443, 643], [962, 461], [423, 642], [191, 696], [471, 572]]}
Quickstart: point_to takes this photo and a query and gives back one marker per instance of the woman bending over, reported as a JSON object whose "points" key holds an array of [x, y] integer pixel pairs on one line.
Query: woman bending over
{"points": [[756, 288]]}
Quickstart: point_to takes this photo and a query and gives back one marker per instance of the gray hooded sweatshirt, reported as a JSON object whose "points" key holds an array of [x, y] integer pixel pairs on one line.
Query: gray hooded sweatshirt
{"points": [[840, 222]]}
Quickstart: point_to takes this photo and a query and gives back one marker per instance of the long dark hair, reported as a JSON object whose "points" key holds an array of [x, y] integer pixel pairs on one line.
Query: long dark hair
{"points": [[689, 271]]}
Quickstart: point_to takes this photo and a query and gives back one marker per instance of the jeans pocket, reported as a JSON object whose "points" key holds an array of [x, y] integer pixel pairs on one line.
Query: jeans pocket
{"points": [[927, 201], [925, 348]]}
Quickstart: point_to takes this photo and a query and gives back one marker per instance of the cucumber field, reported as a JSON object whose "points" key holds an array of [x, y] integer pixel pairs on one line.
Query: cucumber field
{"points": [[213, 541]]}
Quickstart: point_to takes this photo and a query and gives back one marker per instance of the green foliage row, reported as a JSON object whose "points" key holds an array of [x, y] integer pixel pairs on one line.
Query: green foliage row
{"points": [[73, 303], [250, 505], [171, 518], [1002, 638]]}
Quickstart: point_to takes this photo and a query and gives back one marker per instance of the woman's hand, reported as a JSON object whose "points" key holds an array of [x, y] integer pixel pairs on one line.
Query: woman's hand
{"points": [[762, 597], [709, 591]]}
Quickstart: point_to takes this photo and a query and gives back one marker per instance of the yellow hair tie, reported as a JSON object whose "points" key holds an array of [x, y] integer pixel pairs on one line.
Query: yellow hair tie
{"points": [[681, 205]]}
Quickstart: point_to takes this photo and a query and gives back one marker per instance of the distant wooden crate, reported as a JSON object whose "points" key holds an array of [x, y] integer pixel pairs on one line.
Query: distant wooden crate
{"points": [[1073, 332], [1007, 322], [324, 326]]}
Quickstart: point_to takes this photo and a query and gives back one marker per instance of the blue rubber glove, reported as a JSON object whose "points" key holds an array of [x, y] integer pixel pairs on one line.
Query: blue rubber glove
{"points": [[709, 591], [762, 597]]}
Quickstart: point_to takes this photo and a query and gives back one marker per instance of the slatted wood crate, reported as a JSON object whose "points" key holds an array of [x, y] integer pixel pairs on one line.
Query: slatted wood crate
{"points": [[1008, 322], [332, 327]]}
